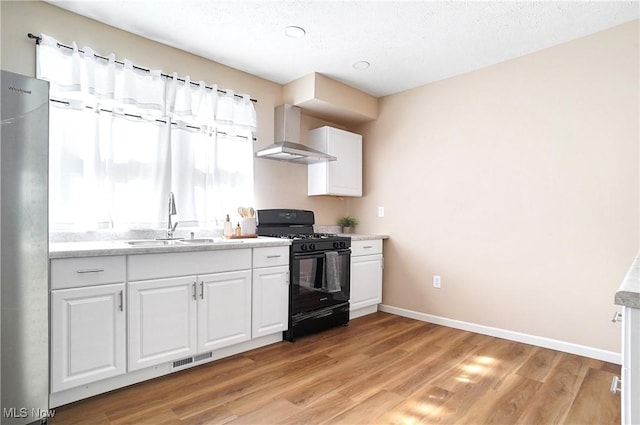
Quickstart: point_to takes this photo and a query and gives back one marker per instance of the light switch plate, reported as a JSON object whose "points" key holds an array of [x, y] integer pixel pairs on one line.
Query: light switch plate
{"points": [[436, 281]]}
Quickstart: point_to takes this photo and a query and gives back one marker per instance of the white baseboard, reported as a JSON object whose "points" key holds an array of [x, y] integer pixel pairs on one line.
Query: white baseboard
{"points": [[554, 344], [353, 314]]}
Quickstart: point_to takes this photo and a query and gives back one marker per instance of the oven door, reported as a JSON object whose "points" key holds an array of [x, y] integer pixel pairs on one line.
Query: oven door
{"points": [[319, 280]]}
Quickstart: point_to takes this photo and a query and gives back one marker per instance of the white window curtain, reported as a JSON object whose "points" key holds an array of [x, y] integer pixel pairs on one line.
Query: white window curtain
{"points": [[122, 138]]}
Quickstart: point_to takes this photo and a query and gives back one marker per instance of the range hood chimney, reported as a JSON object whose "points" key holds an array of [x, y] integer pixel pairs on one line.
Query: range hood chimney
{"points": [[287, 146]]}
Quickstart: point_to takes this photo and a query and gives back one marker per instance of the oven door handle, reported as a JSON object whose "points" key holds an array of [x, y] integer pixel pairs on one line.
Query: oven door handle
{"points": [[307, 256], [321, 254]]}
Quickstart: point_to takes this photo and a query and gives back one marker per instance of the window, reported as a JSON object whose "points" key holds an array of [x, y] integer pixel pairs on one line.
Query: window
{"points": [[122, 138]]}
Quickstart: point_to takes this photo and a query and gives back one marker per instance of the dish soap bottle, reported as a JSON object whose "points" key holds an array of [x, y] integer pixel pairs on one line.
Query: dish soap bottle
{"points": [[238, 230], [228, 231]]}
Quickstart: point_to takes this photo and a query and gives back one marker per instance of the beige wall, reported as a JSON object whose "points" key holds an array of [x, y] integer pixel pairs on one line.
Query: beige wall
{"points": [[278, 184], [518, 184]]}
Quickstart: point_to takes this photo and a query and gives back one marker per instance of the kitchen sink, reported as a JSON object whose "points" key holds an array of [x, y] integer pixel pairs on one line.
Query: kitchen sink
{"points": [[209, 240], [174, 242], [152, 242], [197, 240]]}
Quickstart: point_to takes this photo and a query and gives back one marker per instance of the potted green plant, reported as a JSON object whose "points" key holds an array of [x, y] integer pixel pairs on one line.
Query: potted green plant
{"points": [[347, 223]]}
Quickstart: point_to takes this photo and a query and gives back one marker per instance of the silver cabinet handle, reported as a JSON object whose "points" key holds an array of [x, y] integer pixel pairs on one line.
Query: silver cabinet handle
{"points": [[616, 385], [367, 247], [89, 271], [202, 290], [617, 317], [274, 256], [195, 297], [121, 306]]}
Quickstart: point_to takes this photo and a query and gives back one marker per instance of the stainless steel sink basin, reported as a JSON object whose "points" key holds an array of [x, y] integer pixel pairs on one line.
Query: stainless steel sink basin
{"points": [[169, 242], [208, 241], [197, 240], [152, 242], [223, 240]]}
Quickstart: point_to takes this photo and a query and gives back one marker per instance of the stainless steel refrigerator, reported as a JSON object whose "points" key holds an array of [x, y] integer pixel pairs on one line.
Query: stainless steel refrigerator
{"points": [[24, 269]]}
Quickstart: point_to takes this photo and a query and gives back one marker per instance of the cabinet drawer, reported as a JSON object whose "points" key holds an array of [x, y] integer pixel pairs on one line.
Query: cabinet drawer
{"points": [[270, 256], [155, 266], [88, 271], [368, 247]]}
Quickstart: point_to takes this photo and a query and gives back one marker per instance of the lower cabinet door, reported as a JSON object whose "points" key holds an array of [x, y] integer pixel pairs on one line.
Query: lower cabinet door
{"points": [[87, 335], [366, 281], [162, 320], [270, 300], [224, 310], [630, 365]]}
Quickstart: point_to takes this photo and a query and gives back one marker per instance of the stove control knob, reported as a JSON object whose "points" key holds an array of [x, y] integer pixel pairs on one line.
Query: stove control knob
{"points": [[303, 247], [336, 245], [312, 246]]}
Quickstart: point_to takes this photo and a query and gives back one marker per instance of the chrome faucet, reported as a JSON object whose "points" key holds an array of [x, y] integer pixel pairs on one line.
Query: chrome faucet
{"points": [[172, 211]]}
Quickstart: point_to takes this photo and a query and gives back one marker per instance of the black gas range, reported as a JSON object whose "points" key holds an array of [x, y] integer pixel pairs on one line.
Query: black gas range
{"points": [[319, 266]]}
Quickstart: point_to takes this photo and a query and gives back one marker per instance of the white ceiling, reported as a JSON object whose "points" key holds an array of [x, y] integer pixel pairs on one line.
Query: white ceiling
{"points": [[408, 44]]}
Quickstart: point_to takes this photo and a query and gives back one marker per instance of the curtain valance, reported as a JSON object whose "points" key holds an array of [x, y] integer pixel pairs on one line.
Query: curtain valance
{"points": [[81, 78]]}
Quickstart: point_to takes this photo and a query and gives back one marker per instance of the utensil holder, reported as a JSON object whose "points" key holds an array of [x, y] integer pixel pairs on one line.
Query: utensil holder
{"points": [[248, 226]]}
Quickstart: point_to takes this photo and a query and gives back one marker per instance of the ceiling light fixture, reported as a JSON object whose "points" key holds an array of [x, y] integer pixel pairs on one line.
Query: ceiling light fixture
{"points": [[360, 65], [294, 32]]}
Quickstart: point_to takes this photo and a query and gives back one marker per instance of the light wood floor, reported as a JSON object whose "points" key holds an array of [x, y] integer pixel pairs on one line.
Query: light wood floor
{"points": [[381, 369]]}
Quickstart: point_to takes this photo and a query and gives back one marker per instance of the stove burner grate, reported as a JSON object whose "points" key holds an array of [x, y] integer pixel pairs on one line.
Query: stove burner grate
{"points": [[304, 236]]}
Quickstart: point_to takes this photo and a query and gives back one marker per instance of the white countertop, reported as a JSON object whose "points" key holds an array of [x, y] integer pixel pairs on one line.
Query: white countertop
{"points": [[629, 292], [121, 247], [98, 248]]}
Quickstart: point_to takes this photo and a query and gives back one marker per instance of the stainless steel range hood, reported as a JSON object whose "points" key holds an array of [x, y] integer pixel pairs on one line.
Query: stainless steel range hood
{"points": [[287, 136]]}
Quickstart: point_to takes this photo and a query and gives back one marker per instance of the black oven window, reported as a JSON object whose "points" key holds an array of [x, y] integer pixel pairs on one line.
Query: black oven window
{"points": [[311, 270]]}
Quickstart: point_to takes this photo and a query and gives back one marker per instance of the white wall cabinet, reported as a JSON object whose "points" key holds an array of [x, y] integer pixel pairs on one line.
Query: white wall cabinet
{"points": [[270, 291], [88, 333], [342, 177], [366, 277]]}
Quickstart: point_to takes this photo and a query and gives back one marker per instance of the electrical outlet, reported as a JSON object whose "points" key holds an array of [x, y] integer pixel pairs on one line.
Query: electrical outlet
{"points": [[380, 211], [436, 282]]}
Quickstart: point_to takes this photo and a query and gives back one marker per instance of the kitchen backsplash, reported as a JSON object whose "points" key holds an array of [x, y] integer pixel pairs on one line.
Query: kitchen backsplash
{"points": [[327, 229]]}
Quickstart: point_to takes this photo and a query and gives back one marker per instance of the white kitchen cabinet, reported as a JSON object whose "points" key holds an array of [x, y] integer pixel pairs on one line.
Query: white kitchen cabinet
{"points": [[270, 291], [628, 296], [162, 320], [224, 309], [87, 335], [173, 318], [270, 300], [630, 393], [118, 320], [342, 177], [88, 324], [366, 277]]}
